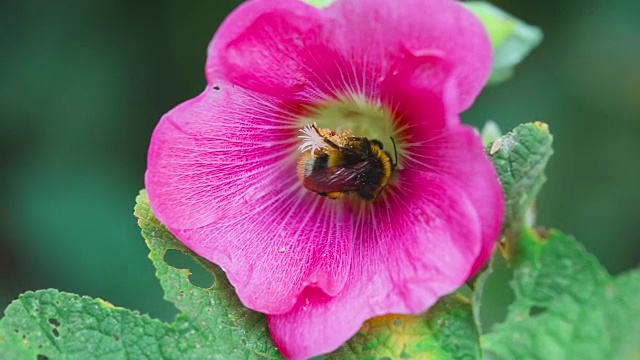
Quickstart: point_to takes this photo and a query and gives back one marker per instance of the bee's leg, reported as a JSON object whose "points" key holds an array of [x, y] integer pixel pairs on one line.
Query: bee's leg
{"points": [[357, 150], [335, 194], [332, 144], [367, 194]]}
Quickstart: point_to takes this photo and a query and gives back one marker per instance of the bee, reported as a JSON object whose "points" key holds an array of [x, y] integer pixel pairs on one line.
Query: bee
{"points": [[338, 165]]}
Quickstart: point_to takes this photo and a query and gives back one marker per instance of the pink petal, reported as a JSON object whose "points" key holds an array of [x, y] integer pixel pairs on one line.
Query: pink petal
{"points": [[458, 154], [414, 248], [374, 33], [422, 92], [290, 49], [222, 177], [269, 47], [421, 89]]}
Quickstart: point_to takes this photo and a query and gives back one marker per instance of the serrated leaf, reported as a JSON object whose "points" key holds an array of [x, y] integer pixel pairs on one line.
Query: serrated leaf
{"points": [[56, 325], [213, 324], [520, 157], [511, 38], [567, 306], [221, 324], [446, 331]]}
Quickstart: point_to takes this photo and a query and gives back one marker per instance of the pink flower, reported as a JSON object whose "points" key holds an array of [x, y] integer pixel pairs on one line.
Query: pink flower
{"points": [[222, 166]]}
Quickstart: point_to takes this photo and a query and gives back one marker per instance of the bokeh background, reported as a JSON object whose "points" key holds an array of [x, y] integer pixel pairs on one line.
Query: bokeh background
{"points": [[83, 83]]}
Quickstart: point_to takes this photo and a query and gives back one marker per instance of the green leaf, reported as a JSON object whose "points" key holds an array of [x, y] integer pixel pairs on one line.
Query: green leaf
{"points": [[221, 324], [55, 325], [520, 157], [567, 306], [477, 284], [213, 324], [511, 38], [446, 331]]}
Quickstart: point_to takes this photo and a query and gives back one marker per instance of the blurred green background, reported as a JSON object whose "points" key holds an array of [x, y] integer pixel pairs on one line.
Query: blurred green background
{"points": [[83, 84]]}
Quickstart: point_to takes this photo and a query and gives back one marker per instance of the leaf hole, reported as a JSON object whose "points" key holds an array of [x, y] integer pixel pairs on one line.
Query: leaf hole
{"points": [[116, 337], [497, 294], [55, 332], [537, 310], [54, 322], [41, 357], [199, 277]]}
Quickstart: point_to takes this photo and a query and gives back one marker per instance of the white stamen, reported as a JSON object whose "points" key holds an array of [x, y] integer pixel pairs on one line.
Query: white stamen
{"points": [[312, 140]]}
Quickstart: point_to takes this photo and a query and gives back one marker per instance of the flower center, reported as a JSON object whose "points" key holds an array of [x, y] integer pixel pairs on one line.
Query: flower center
{"points": [[349, 147], [358, 116]]}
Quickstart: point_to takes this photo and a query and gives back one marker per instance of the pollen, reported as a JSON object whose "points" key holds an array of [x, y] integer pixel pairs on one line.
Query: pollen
{"points": [[315, 139]]}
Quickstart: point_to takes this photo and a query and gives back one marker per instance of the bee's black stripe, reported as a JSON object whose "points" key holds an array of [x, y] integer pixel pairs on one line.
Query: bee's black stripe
{"points": [[321, 162]]}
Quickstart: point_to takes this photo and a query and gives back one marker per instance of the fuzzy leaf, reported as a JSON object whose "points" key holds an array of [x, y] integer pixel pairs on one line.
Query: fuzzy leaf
{"points": [[446, 331], [56, 325], [213, 323], [567, 306], [520, 158], [221, 324], [512, 39]]}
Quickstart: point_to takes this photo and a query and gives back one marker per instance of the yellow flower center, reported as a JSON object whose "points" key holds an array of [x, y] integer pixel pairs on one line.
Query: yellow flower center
{"points": [[359, 117]]}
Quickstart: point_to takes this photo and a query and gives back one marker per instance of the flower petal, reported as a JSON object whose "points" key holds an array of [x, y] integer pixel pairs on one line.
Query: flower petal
{"points": [[269, 47], [222, 176], [290, 49], [222, 173], [458, 153], [421, 91], [414, 248], [374, 33], [210, 146]]}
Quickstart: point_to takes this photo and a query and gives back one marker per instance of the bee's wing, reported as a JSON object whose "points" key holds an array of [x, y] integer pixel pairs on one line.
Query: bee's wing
{"points": [[336, 179]]}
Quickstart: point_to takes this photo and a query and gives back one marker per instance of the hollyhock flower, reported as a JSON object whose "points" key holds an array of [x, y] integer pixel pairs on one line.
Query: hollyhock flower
{"points": [[223, 175]]}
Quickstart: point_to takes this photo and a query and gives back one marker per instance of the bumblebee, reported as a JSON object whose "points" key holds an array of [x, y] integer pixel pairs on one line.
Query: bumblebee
{"points": [[337, 165]]}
